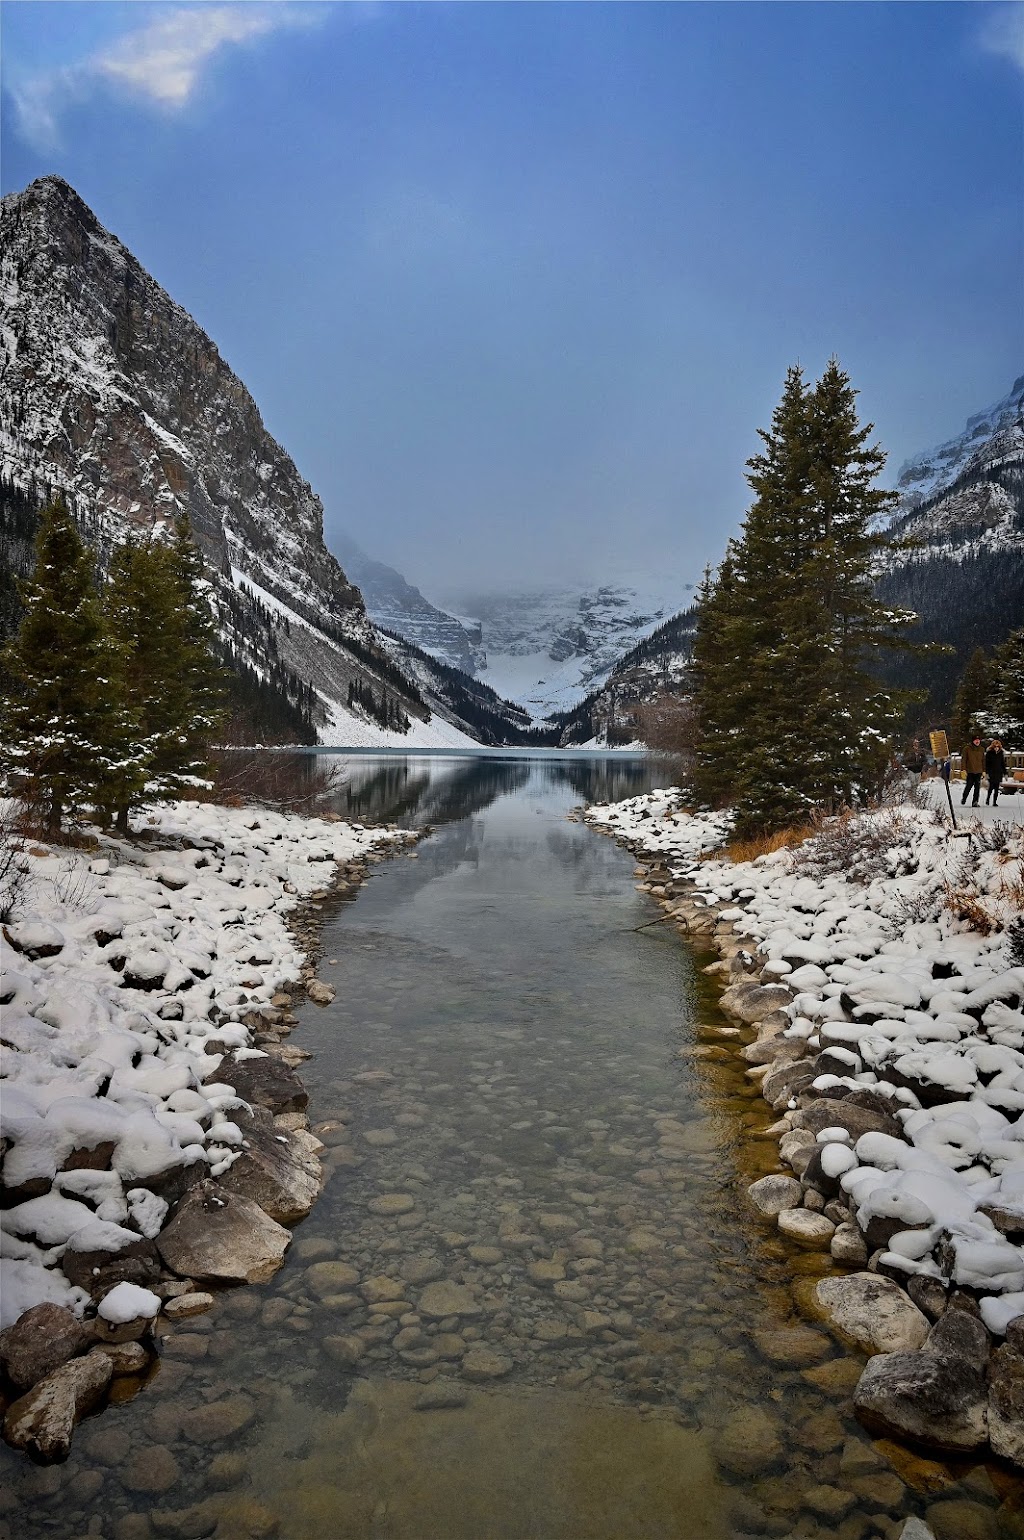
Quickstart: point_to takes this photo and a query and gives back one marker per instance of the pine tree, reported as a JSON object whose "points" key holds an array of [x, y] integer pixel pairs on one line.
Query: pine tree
{"points": [[70, 740], [1003, 714], [791, 718], [972, 694], [161, 618]]}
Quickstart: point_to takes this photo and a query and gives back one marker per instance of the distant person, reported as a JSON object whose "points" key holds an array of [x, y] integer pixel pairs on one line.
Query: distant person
{"points": [[916, 760], [972, 758], [995, 770]]}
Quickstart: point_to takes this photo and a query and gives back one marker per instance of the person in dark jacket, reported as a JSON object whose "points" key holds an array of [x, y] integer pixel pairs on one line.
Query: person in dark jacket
{"points": [[972, 758], [995, 770]]}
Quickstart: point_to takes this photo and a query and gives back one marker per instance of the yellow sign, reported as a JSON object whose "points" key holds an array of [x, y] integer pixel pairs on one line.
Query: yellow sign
{"points": [[940, 745]]}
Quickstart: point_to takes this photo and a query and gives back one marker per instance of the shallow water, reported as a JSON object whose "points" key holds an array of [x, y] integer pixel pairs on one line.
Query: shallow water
{"points": [[543, 1093]]}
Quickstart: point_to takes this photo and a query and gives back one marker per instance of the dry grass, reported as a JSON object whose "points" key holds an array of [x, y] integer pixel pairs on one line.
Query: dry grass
{"points": [[767, 844]]}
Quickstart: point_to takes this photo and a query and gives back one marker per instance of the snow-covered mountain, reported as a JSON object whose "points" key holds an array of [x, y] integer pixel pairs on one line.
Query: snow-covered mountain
{"points": [[547, 648], [112, 394], [990, 439], [397, 606]]}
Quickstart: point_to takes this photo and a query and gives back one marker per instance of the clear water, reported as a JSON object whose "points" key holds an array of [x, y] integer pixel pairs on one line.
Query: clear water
{"points": [[548, 1090]]}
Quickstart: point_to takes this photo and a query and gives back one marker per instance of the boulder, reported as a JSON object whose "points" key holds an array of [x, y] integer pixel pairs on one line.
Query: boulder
{"points": [[319, 992], [752, 1002], [43, 1421], [849, 1113], [806, 1228], [34, 938], [1006, 1404], [959, 1334], [40, 1341], [101, 1271], [771, 1194], [446, 1298], [275, 1169], [222, 1237], [924, 1397], [872, 1313], [266, 1082]]}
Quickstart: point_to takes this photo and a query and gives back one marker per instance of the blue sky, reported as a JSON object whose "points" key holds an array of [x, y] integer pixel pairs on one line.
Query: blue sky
{"points": [[515, 284]]}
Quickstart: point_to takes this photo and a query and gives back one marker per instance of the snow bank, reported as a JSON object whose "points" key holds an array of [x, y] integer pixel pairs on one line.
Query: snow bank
{"points": [[891, 991], [123, 976]]}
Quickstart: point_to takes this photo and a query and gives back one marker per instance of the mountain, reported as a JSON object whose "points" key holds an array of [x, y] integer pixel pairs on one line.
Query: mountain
{"points": [[398, 607], [960, 522], [550, 647], [112, 394]]}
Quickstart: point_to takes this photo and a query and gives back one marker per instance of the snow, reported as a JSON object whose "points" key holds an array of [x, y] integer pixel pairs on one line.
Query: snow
{"points": [[95, 1063], [905, 998], [128, 1302]]}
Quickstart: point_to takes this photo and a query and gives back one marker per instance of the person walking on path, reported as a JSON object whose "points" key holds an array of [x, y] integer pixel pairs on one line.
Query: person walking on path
{"points": [[995, 770], [972, 757]]}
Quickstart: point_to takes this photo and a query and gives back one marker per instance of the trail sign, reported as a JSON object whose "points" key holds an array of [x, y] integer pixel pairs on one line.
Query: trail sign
{"points": [[940, 746]]}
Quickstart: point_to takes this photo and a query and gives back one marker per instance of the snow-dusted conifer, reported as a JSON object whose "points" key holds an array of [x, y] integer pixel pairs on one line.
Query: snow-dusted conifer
{"points": [[1004, 710], [70, 741]]}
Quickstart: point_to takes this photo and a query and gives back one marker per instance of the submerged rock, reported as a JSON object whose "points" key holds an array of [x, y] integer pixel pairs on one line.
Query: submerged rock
{"points": [[43, 1421], [942, 1402], [873, 1313]]}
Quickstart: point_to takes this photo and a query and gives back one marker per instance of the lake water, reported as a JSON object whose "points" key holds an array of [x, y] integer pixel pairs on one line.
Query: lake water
{"points": [[564, 1322]]}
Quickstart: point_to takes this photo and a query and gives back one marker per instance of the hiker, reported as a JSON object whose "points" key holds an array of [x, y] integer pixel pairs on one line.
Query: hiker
{"points": [[995, 770], [972, 759], [915, 761]]}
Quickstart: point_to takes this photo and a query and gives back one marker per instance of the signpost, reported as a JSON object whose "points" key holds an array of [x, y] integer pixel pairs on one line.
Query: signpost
{"points": [[940, 749]]}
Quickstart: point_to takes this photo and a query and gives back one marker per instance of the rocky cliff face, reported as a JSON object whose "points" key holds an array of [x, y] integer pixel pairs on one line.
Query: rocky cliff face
{"points": [[112, 394]]}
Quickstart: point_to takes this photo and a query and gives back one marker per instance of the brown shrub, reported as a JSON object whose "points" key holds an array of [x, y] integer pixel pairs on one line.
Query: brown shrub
{"points": [[287, 782]]}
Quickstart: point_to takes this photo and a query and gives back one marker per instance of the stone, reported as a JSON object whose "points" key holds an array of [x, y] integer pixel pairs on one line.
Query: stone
{"points": [[43, 1421], [152, 1469], [380, 1138], [916, 1529], [392, 1203], [225, 1471], [806, 1228], [243, 1518], [487, 1256], [848, 1245], [796, 1346], [752, 1002], [319, 992], [345, 1350], [186, 1523], [218, 1419], [106, 1443], [380, 1288], [928, 1399], [196, 1302], [956, 1519], [771, 1194], [327, 1278], [39, 1341], [958, 1334], [267, 1082], [826, 1112], [1006, 1404], [872, 1313], [221, 1237], [274, 1169], [125, 1357], [440, 1397], [445, 1298], [420, 1269], [481, 1363], [828, 1502], [748, 1443], [545, 1273]]}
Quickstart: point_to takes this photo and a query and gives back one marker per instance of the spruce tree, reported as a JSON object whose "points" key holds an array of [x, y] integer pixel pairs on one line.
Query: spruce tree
{"points": [[70, 741], [791, 717], [1003, 715], [971, 697]]}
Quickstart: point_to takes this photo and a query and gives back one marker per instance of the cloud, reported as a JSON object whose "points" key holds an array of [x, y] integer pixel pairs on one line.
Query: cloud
{"points": [[160, 63], [1003, 32]]}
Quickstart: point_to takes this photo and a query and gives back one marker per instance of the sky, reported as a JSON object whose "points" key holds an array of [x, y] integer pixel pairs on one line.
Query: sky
{"points": [[516, 284]]}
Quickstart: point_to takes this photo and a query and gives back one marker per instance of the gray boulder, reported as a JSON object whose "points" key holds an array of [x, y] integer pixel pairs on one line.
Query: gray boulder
{"points": [[924, 1397], [1006, 1404], [275, 1169], [265, 1082], [40, 1341], [222, 1237], [43, 1421], [873, 1313]]}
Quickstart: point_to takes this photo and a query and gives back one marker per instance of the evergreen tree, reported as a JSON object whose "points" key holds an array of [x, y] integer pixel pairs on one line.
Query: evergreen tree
{"points": [[1004, 711], [790, 717], [161, 618], [972, 693], [69, 739]]}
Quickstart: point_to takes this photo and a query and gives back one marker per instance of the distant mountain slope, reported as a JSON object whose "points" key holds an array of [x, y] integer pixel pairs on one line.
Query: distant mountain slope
{"points": [[396, 606], [961, 513], [112, 394]]}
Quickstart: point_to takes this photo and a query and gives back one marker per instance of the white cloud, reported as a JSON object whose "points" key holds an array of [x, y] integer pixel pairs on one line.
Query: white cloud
{"points": [[162, 62], [1003, 32]]}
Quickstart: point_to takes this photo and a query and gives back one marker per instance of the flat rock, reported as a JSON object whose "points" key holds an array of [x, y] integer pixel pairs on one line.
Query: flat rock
{"points": [[873, 1313], [267, 1082], [274, 1169], [771, 1194], [806, 1228], [392, 1203], [125, 1357], [748, 1444], [446, 1298], [326, 1278], [482, 1363], [423, 1268], [196, 1302], [39, 1341], [440, 1398], [380, 1289], [153, 1469], [795, 1346], [218, 1419], [43, 1421], [826, 1112], [545, 1273], [222, 1237], [927, 1399]]}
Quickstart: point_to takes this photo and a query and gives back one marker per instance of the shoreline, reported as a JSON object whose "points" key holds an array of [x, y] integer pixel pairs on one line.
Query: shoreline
{"points": [[944, 1378], [196, 1060]]}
